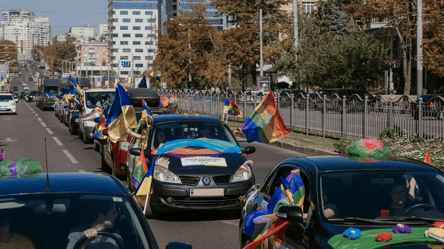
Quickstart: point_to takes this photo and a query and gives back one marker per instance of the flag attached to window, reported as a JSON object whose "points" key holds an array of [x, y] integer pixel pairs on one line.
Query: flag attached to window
{"points": [[144, 189], [140, 170], [76, 86], [146, 112], [121, 116], [163, 102], [265, 123]]}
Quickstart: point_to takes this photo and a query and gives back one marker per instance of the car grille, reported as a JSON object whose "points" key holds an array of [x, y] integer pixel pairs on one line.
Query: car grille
{"points": [[206, 202], [189, 180], [222, 179]]}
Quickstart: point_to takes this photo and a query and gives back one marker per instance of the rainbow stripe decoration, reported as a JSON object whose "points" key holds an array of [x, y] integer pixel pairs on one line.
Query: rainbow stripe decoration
{"points": [[175, 104], [233, 109], [265, 123], [226, 105]]}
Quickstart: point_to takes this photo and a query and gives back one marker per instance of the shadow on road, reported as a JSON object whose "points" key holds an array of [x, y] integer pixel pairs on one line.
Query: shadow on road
{"points": [[88, 148]]}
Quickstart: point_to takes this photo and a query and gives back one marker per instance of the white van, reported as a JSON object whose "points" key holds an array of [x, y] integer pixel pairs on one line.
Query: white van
{"points": [[93, 98]]}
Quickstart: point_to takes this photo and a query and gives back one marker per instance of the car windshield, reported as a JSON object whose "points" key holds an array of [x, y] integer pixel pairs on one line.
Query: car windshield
{"points": [[62, 219], [5, 97], [376, 194], [50, 89], [94, 99], [189, 130]]}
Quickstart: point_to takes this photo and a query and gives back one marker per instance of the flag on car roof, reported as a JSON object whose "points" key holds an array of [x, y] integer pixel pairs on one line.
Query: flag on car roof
{"points": [[427, 158], [163, 102], [121, 115], [265, 123], [144, 189], [146, 112], [226, 105], [142, 83], [233, 109], [76, 86], [261, 224], [140, 170]]}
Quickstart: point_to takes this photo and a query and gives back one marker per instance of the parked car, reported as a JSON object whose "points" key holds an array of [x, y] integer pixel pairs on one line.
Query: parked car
{"points": [[433, 105], [285, 100], [31, 79], [43, 210], [199, 187], [341, 193], [7, 103]]}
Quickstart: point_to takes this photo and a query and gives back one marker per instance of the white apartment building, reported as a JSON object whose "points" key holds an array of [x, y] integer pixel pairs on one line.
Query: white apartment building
{"points": [[82, 32], [132, 36], [103, 30], [20, 27]]}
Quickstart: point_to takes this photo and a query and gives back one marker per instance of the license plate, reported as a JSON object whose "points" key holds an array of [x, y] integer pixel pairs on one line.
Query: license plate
{"points": [[206, 192], [124, 146], [204, 161], [3, 109]]}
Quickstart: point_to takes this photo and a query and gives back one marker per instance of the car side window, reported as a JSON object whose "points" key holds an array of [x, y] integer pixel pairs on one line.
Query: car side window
{"points": [[275, 181]]}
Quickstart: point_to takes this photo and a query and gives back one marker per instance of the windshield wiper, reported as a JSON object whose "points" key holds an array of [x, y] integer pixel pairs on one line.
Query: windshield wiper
{"points": [[357, 219], [415, 218]]}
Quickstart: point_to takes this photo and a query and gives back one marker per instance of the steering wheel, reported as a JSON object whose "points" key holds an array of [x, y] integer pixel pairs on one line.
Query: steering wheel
{"points": [[84, 239], [425, 205]]}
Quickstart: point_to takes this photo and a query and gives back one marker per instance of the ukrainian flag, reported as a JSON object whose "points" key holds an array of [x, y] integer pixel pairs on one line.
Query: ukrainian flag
{"points": [[265, 123], [146, 112], [121, 116], [76, 86], [144, 189], [227, 105]]}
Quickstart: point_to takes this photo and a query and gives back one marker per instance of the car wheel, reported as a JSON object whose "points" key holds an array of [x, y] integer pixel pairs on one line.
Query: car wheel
{"points": [[80, 135], [70, 130], [84, 138]]}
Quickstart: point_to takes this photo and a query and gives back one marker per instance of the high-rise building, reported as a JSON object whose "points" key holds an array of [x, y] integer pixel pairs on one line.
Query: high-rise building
{"points": [[220, 23], [132, 35], [103, 30], [82, 32], [20, 27]]}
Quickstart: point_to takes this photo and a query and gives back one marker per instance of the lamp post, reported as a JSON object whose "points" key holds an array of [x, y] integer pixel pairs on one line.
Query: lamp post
{"points": [[419, 34]]}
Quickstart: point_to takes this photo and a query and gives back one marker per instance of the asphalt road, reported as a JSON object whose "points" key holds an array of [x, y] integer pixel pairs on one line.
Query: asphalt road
{"points": [[23, 135]]}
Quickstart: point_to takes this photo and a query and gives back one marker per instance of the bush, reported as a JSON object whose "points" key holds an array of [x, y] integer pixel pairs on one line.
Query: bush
{"points": [[388, 133], [342, 145]]}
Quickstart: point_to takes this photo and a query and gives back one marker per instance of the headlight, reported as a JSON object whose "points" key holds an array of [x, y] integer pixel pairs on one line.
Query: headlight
{"points": [[242, 174], [164, 175]]}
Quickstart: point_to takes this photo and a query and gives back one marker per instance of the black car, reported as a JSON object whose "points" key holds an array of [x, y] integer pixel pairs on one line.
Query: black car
{"points": [[15, 88], [31, 79], [149, 95], [44, 210], [182, 187], [433, 105], [340, 193], [23, 95], [31, 96]]}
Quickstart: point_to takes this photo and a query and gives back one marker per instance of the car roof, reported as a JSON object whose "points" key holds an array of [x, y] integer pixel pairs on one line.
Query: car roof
{"points": [[87, 183], [101, 90], [343, 163], [184, 117]]}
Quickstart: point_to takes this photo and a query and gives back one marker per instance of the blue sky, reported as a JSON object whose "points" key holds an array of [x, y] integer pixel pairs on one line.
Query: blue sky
{"points": [[63, 13]]}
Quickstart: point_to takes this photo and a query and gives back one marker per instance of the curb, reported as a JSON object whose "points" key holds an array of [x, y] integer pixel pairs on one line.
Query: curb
{"points": [[300, 149]]}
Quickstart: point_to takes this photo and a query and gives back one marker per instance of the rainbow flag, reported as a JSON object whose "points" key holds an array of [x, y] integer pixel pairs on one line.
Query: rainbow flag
{"points": [[146, 112], [265, 123], [144, 189], [233, 109], [76, 86], [121, 115], [163, 102], [140, 171], [175, 104], [226, 105], [427, 158]]}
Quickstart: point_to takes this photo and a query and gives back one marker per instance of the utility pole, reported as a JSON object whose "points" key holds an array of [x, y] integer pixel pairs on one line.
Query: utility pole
{"points": [[295, 23], [419, 70], [189, 56], [261, 65]]}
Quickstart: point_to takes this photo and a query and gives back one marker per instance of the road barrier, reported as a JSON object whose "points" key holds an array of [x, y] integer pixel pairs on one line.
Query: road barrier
{"points": [[329, 115]]}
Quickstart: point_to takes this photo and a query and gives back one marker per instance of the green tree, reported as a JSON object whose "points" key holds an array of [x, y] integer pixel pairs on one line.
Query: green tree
{"points": [[433, 42]]}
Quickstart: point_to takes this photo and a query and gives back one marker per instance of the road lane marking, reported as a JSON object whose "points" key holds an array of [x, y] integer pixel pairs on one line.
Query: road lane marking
{"points": [[57, 141], [39, 119], [230, 222], [70, 157], [36, 115], [44, 125], [49, 131]]}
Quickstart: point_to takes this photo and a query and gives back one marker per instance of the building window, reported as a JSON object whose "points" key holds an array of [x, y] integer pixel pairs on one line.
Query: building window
{"points": [[151, 20], [139, 35], [148, 12], [151, 51], [123, 12], [151, 35], [85, 49], [148, 42], [139, 50], [124, 43], [115, 50], [136, 58], [123, 57], [308, 8], [150, 65], [148, 28], [115, 35], [136, 27], [149, 58], [139, 20], [115, 65], [114, 12], [114, 42], [136, 12], [126, 35], [136, 42], [114, 27], [126, 20], [123, 27], [115, 20], [127, 50], [139, 65], [124, 72]]}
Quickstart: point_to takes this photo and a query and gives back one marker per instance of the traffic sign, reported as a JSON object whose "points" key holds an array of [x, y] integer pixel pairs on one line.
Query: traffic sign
{"points": [[125, 63], [129, 74], [117, 76], [164, 85], [264, 83]]}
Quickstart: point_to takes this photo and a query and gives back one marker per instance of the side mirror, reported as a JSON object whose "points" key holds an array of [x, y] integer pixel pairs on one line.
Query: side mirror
{"points": [[249, 150], [135, 151], [97, 120], [290, 213], [178, 245]]}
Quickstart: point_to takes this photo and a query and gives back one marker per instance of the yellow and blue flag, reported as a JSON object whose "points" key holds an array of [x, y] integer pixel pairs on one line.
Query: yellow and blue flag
{"points": [[76, 86], [144, 189], [226, 105], [121, 115], [146, 112], [265, 123]]}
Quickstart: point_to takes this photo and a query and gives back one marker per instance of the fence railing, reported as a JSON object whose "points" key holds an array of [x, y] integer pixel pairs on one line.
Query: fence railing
{"points": [[329, 115]]}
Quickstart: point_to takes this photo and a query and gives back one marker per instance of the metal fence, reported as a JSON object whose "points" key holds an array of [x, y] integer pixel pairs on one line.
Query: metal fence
{"points": [[328, 115]]}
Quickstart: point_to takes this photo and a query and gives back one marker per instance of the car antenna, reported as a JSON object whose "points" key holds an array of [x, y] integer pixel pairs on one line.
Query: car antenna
{"points": [[47, 172]]}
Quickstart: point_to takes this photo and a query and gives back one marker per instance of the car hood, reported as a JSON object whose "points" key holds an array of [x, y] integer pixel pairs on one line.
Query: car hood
{"points": [[427, 97]]}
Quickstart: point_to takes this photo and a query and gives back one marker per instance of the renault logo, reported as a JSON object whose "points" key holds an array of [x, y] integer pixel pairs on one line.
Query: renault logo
{"points": [[206, 180]]}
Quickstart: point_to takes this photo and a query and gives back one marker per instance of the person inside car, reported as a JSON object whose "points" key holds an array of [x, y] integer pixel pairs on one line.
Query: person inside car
{"points": [[205, 133], [160, 139], [99, 216], [400, 196], [11, 240]]}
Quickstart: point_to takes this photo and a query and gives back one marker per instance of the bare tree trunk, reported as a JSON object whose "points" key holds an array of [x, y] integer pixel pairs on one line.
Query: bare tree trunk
{"points": [[406, 63]]}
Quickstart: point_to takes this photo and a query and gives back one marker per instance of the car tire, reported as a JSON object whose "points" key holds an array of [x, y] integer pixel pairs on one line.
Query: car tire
{"points": [[80, 135], [84, 138]]}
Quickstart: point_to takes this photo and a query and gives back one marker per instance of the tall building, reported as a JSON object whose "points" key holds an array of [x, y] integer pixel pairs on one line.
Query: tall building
{"points": [[132, 35], [20, 27], [84, 32], [103, 30], [93, 59], [184, 6]]}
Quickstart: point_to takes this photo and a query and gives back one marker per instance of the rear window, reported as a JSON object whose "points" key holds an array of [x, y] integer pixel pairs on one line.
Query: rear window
{"points": [[5, 97]]}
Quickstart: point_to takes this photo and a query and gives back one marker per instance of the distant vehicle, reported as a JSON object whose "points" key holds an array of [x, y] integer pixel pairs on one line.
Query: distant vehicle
{"points": [[31, 96], [15, 88], [23, 95], [26, 88], [432, 105], [31, 79], [47, 93], [24, 83]]}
